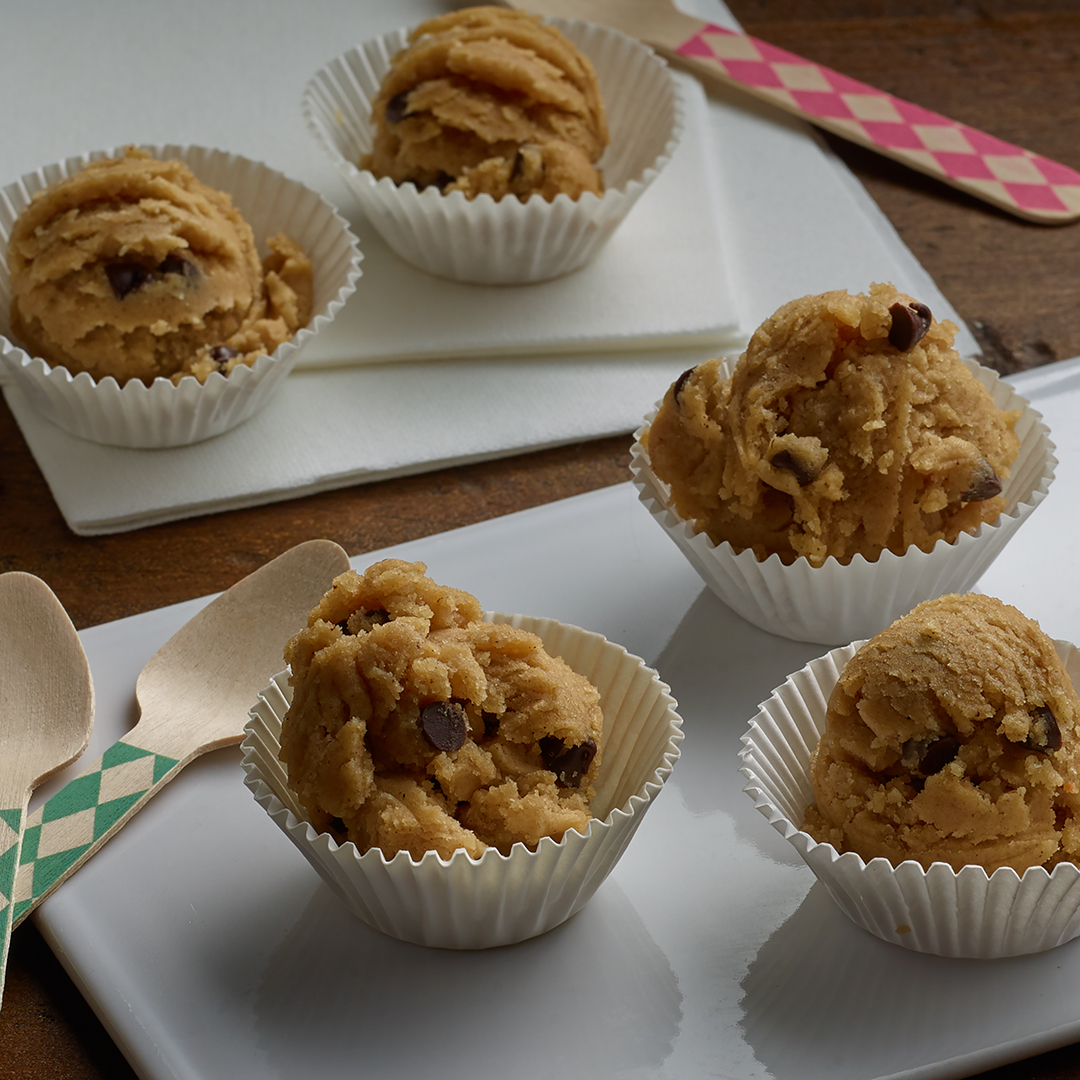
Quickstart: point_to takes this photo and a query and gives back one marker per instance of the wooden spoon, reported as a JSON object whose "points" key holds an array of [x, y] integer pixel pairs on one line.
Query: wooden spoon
{"points": [[46, 713], [1014, 179], [194, 696]]}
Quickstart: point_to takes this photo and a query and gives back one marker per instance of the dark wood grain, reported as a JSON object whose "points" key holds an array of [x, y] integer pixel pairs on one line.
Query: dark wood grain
{"points": [[1006, 67]]}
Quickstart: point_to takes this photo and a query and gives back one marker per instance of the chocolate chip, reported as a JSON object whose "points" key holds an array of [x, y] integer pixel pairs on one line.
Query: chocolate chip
{"points": [[397, 108], [985, 483], [924, 757], [126, 277], [222, 354], [443, 723], [568, 763], [806, 472], [1045, 734], [173, 264], [680, 382], [909, 324]]}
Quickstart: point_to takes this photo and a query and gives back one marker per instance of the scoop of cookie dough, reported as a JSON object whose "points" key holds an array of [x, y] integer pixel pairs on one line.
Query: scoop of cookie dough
{"points": [[952, 737], [849, 426], [416, 726], [490, 100], [134, 268]]}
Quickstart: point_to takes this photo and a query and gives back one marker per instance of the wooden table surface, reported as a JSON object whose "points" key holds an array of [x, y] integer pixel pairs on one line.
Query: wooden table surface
{"points": [[1006, 66]]}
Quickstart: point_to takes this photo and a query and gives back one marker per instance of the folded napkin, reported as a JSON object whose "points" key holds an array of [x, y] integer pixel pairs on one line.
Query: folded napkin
{"points": [[751, 212]]}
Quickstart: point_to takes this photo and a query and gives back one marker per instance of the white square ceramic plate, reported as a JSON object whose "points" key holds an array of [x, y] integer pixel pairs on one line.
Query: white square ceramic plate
{"points": [[211, 949]]}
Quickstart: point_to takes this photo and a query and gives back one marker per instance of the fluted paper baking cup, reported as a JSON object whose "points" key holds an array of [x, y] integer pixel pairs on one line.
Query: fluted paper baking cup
{"points": [[836, 603], [496, 899], [162, 413], [505, 242], [965, 913]]}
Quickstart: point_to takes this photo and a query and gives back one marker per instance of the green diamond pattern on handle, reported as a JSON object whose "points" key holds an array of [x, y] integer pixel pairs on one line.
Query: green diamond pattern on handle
{"points": [[81, 816], [10, 821]]}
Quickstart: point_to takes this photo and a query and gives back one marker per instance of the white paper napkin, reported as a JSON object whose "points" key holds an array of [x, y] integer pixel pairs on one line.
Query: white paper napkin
{"points": [[791, 219]]}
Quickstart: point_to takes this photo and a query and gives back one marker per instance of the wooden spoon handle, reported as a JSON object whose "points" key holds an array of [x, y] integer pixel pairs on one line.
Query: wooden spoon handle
{"points": [[70, 827], [11, 821], [995, 171]]}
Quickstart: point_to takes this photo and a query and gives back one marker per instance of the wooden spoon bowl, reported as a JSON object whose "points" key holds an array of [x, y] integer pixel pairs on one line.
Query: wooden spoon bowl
{"points": [[46, 713]]}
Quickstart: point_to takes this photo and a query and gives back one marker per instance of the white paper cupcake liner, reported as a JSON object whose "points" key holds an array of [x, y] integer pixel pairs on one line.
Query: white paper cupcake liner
{"points": [[505, 242], [965, 913], [466, 903], [163, 414], [836, 603]]}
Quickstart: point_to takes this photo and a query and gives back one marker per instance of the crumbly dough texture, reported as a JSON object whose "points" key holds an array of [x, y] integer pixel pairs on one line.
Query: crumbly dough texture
{"points": [[829, 439], [952, 737], [134, 268], [490, 101], [387, 658]]}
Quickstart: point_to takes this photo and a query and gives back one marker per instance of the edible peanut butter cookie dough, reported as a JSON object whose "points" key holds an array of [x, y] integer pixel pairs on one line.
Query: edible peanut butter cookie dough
{"points": [[490, 100], [416, 726], [951, 737], [134, 268], [849, 426]]}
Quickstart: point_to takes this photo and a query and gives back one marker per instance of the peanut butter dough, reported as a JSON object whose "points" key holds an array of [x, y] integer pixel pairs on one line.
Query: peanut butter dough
{"points": [[134, 268], [416, 726], [490, 100], [849, 426], [952, 737]]}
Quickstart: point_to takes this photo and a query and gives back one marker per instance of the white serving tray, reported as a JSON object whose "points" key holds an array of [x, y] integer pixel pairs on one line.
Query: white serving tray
{"points": [[209, 948]]}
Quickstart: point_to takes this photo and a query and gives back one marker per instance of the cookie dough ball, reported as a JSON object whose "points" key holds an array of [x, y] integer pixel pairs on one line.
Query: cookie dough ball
{"points": [[489, 100], [952, 737], [134, 268], [416, 726], [850, 426]]}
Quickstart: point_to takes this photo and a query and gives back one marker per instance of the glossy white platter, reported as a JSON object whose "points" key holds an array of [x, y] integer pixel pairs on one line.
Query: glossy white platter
{"points": [[209, 948]]}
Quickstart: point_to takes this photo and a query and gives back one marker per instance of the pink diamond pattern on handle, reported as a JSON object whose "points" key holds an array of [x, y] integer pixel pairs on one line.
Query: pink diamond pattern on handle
{"points": [[899, 136], [754, 72], [998, 171]]}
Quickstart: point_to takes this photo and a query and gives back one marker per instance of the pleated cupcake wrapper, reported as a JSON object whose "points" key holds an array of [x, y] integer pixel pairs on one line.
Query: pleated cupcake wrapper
{"points": [[505, 242], [466, 903], [163, 414], [835, 603], [965, 913]]}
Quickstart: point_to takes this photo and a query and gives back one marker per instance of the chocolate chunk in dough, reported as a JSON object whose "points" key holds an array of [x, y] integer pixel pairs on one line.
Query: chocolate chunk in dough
{"points": [[1045, 734], [910, 323], [444, 725], [924, 757], [568, 763], [985, 483], [680, 382], [126, 277]]}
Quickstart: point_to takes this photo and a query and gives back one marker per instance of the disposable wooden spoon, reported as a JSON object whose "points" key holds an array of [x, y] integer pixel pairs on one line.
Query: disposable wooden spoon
{"points": [[986, 167], [46, 713], [194, 696]]}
